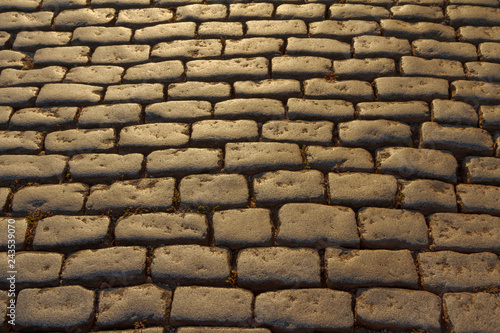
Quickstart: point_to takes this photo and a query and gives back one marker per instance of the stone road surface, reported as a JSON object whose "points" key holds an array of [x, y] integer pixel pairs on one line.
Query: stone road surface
{"points": [[250, 166]]}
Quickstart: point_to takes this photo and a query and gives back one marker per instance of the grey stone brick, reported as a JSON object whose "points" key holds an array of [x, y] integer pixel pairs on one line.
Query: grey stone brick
{"points": [[120, 4], [472, 15], [71, 18], [45, 168], [477, 35], [481, 199], [148, 137], [157, 229], [95, 36], [351, 90], [282, 186], [453, 113], [188, 49], [383, 228], [483, 71], [279, 89], [191, 264], [304, 310], [380, 46], [319, 226], [220, 29], [227, 70], [308, 12], [468, 312], [211, 91], [417, 163], [21, 226], [181, 162], [319, 47], [20, 21], [201, 12], [98, 75], [343, 30], [123, 306], [79, 141], [241, 228], [250, 11], [475, 92], [370, 268], [311, 109], [278, 267], [451, 271], [12, 59], [428, 196], [56, 5], [71, 233], [144, 93], [20, 142], [414, 13], [33, 40], [465, 232], [299, 131], [34, 77], [484, 170], [154, 193], [412, 31], [300, 67], [446, 69], [362, 189], [211, 306], [47, 119], [68, 94], [216, 133], [56, 199], [341, 159], [364, 69], [114, 115], [373, 134], [411, 88], [460, 141], [224, 190], [165, 32], [398, 309], [124, 55], [59, 308], [35, 269], [18, 97], [5, 114], [251, 108], [257, 46], [281, 28], [408, 112], [357, 12], [489, 52], [140, 17], [116, 266], [182, 111], [428, 48]]}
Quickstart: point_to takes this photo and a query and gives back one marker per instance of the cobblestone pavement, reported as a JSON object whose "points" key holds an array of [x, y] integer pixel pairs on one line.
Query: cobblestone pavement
{"points": [[250, 167]]}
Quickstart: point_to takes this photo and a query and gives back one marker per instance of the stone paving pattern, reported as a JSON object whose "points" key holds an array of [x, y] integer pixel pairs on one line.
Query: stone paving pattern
{"points": [[251, 167]]}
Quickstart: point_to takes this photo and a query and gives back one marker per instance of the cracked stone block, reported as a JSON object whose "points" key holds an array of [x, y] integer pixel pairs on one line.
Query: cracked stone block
{"points": [[19, 21], [191, 264], [468, 312], [481, 199], [165, 71], [364, 69], [341, 159], [63, 56], [48, 119], [68, 94], [343, 30], [300, 67], [350, 90], [281, 28], [489, 117], [144, 93], [383, 228], [33, 77], [250, 108], [182, 162], [195, 305], [45, 168], [21, 227], [380, 46], [428, 196], [80, 141], [165, 32], [417, 13], [148, 137], [116, 266], [412, 31], [122, 306], [482, 170], [488, 52], [21, 142], [60, 308], [18, 97], [241, 228], [210, 91], [411, 88], [475, 92], [319, 226], [308, 12], [95, 36], [220, 30], [278, 89], [373, 134], [155, 229], [370, 268], [178, 111], [398, 309], [317, 109], [140, 17], [408, 112], [453, 113], [299, 131], [154, 193], [445, 271], [228, 70], [441, 68], [188, 49], [278, 267], [224, 190], [97, 75], [57, 199], [305, 310], [250, 11], [12, 59], [70, 19], [113, 115], [67, 234], [216, 133], [125, 55]]}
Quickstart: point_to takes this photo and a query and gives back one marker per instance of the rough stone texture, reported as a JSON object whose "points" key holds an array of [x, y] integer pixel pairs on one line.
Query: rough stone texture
{"points": [[316, 109], [217, 133], [5, 193], [211, 91], [139, 17], [282, 28], [5, 114], [188, 49], [411, 88], [20, 225], [97, 75], [21, 142], [34, 77], [489, 117], [351, 90], [373, 134], [144, 93], [37, 269], [343, 30], [68, 94], [80, 141], [48, 119], [249, 11], [18, 20], [428, 196], [482, 170], [101, 35], [340, 159], [475, 92], [72, 18], [13, 59], [48, 168], [64, 55], [257, 46], [300, 67], [469, 312], [357, 12], [220, 30], [165, 32], [483, 71], [412, 31], [180, 162], [430, 48], [320, 47], [380, 46], [489, 52], [364, 69], [446, 69], [148, 137], [279, 89], [301, 132], [113, 115], [182, 111], [416, 12], [120, 55], [252, 108], [453, 113], [18, 96], [479, 199], [227, 70], [165, 71]]}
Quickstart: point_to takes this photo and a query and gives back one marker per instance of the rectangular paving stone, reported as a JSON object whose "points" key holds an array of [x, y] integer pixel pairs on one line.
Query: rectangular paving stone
{"points": [[201, 12], [373, 134], [445, 271], [278, 89], [56, 199], [481, 170], [47, 119], [417, 13], [148, 137], [362, 189], [17, 20], [165, 32], [441, 68], [21, 225], [250, 11], [191, 264], [257, 46], [156, 72], [153, 193], [475, 92], [220, 29], [412, 31], [97, 75], [343, 30], [33, 40], [411, 88], [307, 12], [67, 234], [271, 188], [317, 109], [13, 59], [380, 46], [178, 111], [281, 28], [62, 56], [188, 49], [344, 11], [428, 196], [58, 94], [211, 306], [350, 90], [144, 93], [18, 97], [278, 267], [140, 17], [481, 199], [181, 162], [4, 302], [95, 36], [301, 67], [45, 168], [453, 112], [22, 5], [318, 47], [125, 55], [216, 133], [489, 117], [370, 268], [70, 19], [80, 141], [488, 52], [467, 312], [483, 71], [341, 159], [57, 5], [408, 112], [241, 228], [305, 309], [21, 142], [228, 70], [477, 35], [251, 108], [116, 266], [299, 131], [36, 269], [364, 69], [211, 91], [472, 15], [155, 229], [113, 115], [429, 49], [398, 309]]}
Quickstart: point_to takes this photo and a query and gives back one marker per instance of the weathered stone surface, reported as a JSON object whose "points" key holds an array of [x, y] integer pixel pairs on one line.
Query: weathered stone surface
{"points": [[488, 52], [13, 59], [120, 55], [351, 90], [62, 56], [430, 48], [34, 77], [147, 137], [218, 132], [48, 168], [357, 12], [417, 13], [320, 47], [5, 192], [207, 329], [482, 170], [95, 36], [278, 267], [281, 28], [72, 18], [483, 71], [188, 49], [257, 46], [20, 142], [307, 12], [317, 109], [113, 115], [479, 199], [489, 117], [80, 141], [98, 75], [428, 196], [364, 69], [343, 30], [301, 67], [22, 5], [370, 268], [20, 226], [139, 17], [117, 266], [182, 111], [180, 162], [154, 193], [469, 312], [68, 94], [4, 302], [412, 31], [144, 93], [57, 5], [453, 113], [211, 91], [220, 30], [305, 309], [18, 20], [451, 271], [472, 15], [411, 88], [380, 46], [299, 131], [249, 11], [227, 70], [48, 119], [165, 32], [95, 168], [36, 269], [475, 92], [201, 12], [279, 89], [164, 71], [442, 68], [251, 108], [5, 114], [341, 159], [373, 134], [408, 112], [18, 96]]}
